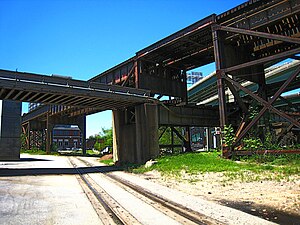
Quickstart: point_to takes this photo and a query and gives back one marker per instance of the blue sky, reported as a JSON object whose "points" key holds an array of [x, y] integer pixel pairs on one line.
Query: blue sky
{"points": [[84, 38]]}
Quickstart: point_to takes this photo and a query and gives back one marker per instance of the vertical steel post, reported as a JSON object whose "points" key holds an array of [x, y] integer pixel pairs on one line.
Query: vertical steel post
{"points": [[172, 140], [83, 133], [186, 99], [219, 74], [217, 42], [48, 135], [136, 73], [188, 139]]}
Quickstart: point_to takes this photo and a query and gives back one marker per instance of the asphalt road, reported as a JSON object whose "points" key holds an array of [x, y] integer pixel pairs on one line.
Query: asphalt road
{"points": [[42, 190]]}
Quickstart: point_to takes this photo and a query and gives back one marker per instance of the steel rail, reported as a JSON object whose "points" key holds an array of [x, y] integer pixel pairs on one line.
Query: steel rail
{"points": [[181, 210], [105, 205]]}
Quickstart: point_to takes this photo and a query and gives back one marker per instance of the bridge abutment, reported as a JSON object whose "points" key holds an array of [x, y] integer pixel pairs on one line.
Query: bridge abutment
{"points": [[10, 130], [135, 140]]}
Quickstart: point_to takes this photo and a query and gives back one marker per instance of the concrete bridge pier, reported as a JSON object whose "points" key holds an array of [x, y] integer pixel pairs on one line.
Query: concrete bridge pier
{"points": [[135, 140], [10, 130]]}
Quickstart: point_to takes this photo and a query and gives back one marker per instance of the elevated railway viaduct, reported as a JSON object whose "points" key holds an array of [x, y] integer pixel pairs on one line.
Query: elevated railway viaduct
{"points": [[242, 42]]}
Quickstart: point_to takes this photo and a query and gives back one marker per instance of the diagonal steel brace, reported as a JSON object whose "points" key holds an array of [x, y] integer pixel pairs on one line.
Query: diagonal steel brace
{"points": [[266, 104]]}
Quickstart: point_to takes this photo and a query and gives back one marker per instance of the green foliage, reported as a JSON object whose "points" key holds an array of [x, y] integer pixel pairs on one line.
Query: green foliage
{"points": [[278, 160], [252, 143], [228, 136], [166, 137], [253, 110], [103, 139], [268, 143], [54, 147], [97, 146], [35, 151]]}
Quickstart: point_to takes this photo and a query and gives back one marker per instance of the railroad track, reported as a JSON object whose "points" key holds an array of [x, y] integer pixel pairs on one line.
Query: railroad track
{"points": [[149, 208]]}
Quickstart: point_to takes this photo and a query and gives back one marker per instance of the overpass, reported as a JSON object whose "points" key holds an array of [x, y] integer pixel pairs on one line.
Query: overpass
{"points": [[242, 41]]}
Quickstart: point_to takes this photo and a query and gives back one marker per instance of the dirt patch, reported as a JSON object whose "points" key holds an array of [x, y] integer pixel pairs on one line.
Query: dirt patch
{"points": [[264, 196], [106, 157]]}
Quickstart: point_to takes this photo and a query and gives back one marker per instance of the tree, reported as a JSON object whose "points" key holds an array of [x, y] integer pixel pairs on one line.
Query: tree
{"points": [[103, 139]]}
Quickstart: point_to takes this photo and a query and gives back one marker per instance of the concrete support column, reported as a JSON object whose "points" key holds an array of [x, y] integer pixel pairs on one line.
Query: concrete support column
{"points": [[136, 142], [124, 139], [82, 127], [147, 146], [10, 130]]}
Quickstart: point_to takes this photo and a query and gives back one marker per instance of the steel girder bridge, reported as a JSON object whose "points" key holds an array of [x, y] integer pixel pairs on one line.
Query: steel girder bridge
{"points": [[64, 101], [242, 42]]}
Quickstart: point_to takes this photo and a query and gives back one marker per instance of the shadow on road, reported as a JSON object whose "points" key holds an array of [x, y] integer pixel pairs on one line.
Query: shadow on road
{"points": [[26, 160], [8, 172]]}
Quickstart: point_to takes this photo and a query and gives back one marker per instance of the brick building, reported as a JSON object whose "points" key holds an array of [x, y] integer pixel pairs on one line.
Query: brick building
{"points": [[66, 137]]}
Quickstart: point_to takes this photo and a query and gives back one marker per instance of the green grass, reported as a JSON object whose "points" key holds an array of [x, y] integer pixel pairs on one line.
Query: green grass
{"points": [[107, 161], [37, 152], [90, 152], [75, 153], [270, 167]]}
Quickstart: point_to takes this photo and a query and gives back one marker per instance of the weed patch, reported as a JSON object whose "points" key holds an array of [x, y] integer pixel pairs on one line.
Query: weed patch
{"points": [[248, 169]]}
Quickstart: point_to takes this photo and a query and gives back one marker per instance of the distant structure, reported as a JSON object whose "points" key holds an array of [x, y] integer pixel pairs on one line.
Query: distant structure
{"points": [[193, 77], [63, 136], [66, 137]]}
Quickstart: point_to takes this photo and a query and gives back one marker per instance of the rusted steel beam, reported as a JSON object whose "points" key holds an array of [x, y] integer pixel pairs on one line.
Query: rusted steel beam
{"points": [[285, 84], [186, 143], [206, 22], [34, 96], [137, 73], [7, 96], [18, 95], [287, 130], [42, 97], [250, 125], [222, 101], [25, 130], [263, 60], [129, 75], [219, 74], [259, 34], [237, 97], [178, 134], [162, 133]]}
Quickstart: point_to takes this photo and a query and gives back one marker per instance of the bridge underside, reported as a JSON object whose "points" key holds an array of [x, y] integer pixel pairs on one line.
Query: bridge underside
{"points": [[27, 87], [64, 101]]}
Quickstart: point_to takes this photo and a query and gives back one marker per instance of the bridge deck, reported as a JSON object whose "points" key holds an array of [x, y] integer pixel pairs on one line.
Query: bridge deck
{"points": [[27, 87]]}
